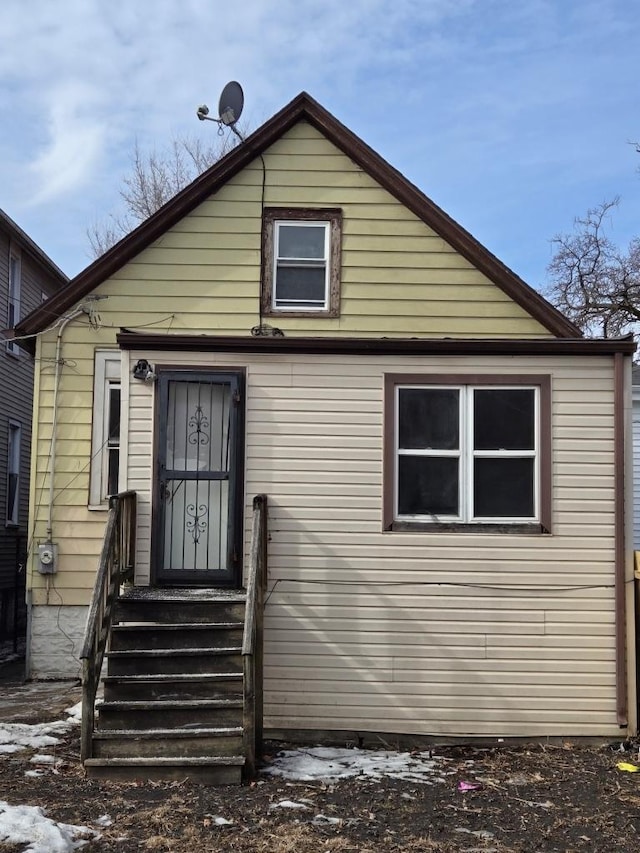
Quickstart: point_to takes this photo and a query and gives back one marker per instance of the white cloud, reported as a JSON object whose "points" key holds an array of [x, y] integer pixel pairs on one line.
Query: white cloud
{"points": [[76, 137]]}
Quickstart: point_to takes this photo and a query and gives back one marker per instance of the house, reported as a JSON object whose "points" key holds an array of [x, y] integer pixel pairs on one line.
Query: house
{"points": [[636, 455], [301, 374], [27, 278]]}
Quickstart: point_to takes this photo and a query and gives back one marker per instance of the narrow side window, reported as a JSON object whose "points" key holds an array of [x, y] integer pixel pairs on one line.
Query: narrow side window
{"points": [[13, 473], [105, 444], [13, 302]]}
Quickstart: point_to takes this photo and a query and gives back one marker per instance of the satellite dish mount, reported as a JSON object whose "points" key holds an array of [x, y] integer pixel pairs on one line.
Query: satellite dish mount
{"points": [[229, 108]]}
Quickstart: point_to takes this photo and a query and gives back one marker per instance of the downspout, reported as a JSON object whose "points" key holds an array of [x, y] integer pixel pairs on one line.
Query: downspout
{"points": [[54, 426]]}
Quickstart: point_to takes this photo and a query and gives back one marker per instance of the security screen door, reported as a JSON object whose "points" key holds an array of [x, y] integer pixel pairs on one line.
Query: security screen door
{"points": [[198, 516]]}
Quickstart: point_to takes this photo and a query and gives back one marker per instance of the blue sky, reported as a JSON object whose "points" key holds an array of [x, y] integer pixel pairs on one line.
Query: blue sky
{"points": [[514, 117]]}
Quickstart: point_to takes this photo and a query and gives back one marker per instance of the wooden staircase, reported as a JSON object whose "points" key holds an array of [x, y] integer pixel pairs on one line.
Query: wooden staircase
{"points": [[173, 693], [182, 690]]}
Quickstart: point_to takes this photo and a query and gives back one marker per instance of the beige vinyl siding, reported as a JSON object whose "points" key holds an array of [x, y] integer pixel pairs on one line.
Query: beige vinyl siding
{"points": [[431, 633], [636, 468]]}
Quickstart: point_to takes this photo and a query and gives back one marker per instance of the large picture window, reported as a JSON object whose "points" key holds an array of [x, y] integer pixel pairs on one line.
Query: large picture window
{"points": [[301, 261], [467, 452]]}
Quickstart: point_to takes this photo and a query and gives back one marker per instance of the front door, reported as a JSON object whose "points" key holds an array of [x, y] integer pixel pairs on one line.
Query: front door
{"points": [[198, 484]]}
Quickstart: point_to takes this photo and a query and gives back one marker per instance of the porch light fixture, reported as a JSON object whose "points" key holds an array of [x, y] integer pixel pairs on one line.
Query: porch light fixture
{"points": [[144, 371]]}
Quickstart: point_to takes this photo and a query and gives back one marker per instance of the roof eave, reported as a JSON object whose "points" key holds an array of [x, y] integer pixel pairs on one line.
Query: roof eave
{"points": [[377, 346]]}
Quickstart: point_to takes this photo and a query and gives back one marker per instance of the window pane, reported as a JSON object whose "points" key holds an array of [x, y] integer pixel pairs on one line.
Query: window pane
{"points": [[301, 241], [428, 418], [503, 488], [427, 485], [504, 419], [198, 426], [114, 413], [306, 284], [113, 465]]}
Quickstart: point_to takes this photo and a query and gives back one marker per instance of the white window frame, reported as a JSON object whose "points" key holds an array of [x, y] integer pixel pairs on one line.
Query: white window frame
{"points": [[107, 375], [14, 452], [14, 297], [466, 453], [284, 261]]}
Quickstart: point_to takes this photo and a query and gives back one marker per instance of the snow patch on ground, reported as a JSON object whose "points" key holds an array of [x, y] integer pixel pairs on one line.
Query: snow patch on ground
{"points": [[17, 736], [329, 764], [29, 825]]}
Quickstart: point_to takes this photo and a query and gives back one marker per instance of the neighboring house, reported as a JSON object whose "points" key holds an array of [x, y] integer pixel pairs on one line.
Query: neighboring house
{"points": [[443, 454], [636, 457], [27, 278]]}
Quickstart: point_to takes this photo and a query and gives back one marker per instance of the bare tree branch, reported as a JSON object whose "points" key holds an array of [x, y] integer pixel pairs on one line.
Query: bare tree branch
{"points": [[592, 281], [154, 178]]}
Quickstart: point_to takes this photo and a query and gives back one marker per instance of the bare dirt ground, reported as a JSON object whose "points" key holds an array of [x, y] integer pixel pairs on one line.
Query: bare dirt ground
{"points": [[565, 797]]}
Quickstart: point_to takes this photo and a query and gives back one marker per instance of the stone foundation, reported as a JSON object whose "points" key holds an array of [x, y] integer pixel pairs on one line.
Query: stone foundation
{"points": [[55, 642]]}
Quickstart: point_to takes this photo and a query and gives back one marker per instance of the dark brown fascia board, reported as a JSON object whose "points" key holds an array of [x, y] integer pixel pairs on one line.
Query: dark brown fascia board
{"points": [[375, 346], [303, 107]]}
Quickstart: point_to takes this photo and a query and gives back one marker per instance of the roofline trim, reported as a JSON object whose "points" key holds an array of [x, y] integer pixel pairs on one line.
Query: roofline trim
{"points": [[128, 340]]}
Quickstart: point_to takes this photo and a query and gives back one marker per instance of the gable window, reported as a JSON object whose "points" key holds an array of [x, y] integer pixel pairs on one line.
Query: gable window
{"points": [[301, 261], [105, 445], [13, 473], [467, 452], [13, 304]]}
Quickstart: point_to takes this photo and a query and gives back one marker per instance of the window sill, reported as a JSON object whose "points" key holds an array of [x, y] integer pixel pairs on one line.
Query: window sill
{"points": [[324, 313], [93, 507], [527, 529]]}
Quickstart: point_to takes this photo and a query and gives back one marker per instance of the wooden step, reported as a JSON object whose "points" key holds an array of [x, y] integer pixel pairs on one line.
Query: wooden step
{"points": [[216, 770], [194, 713], [206, 685], [181, 635], [167, 743], [141, 604], [174, 661]]}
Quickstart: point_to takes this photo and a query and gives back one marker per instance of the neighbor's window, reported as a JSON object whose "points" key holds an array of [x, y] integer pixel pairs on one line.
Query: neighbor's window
{"points": [[105, 449], [301, 250], [13, 310], [13, 473], [466, 453]]}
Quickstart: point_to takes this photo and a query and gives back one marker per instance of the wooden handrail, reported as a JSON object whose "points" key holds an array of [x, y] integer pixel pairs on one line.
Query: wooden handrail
{"points": [[117, 560], [252, 639]]}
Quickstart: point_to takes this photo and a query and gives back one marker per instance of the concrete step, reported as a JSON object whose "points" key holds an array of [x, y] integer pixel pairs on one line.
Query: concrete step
{"points": [[177, 636], [224, 770], [167, 743], [194, 713], [207, 685], [174, 661]]}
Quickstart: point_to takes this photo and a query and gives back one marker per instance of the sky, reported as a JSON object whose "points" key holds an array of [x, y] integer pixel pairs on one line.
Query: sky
{"points": [[514, 117]]}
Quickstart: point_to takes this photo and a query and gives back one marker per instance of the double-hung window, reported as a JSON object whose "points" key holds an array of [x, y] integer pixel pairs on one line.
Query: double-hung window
{"points": [[13, 473], [301, 271], [468, 453], [13, 304], [105, 449]]}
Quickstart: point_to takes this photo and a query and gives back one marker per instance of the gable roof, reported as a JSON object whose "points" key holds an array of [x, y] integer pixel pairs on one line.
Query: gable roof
{"points": [[302, 108], [28, 245]]}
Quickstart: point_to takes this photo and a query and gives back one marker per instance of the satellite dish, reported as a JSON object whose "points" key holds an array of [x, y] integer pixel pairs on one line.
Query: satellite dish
{"points": [[231, 103]]}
